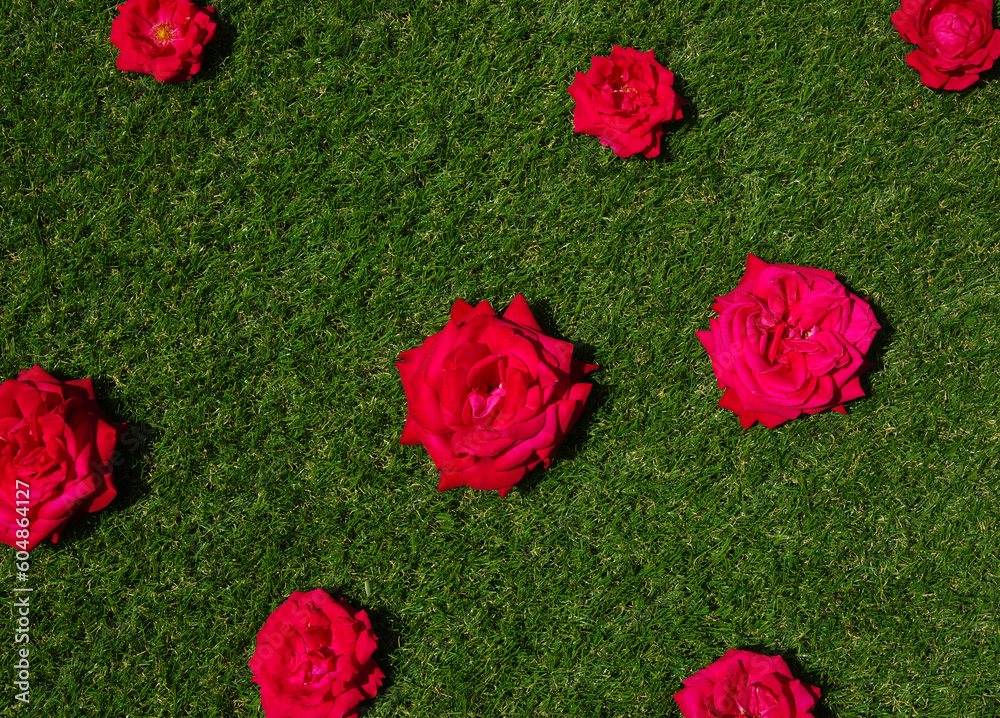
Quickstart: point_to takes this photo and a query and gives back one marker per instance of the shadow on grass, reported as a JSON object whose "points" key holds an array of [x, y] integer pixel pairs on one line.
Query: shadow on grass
{"points": [[389, 630], [813, 679], [130, 485], [689, 109], [599, 396], [690, 117], [220, 47], [882, 341], [987, 77]]}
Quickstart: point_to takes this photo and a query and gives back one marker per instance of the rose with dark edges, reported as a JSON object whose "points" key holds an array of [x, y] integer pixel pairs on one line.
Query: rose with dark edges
{"points": [[490, 397], [624, 100], [788, 340], [162, 38], [314, 658], [744, 684], [56, 447], [955, 40]]}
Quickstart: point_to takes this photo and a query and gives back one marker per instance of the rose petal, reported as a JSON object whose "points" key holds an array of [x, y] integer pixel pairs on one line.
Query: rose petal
{"points": [[313, 658], [58, 440], [136, 32], [490, 397], [956, 40], [782, 343], [623, 101]]}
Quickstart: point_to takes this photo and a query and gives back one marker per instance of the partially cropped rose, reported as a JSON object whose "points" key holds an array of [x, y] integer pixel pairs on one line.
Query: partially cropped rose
{"points": [[955, 40], [788, 340], [162, 38], [314, 658], [490, 397], [56, 446], [624, 100], [744, 684]]}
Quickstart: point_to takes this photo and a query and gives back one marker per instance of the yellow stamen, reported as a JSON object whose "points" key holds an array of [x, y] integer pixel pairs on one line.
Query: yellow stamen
{"points": [[164, 33]]}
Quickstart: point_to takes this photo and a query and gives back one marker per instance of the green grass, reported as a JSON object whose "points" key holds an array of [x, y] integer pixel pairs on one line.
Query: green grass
{"points": [[238, 260]]}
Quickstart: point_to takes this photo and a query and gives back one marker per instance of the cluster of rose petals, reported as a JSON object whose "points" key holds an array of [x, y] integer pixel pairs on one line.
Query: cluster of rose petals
{"points": [[746, 684], [624, 100], [314, 658], [56, 446], [490, 397], [955, 40], [788, 340], [162, 38]]}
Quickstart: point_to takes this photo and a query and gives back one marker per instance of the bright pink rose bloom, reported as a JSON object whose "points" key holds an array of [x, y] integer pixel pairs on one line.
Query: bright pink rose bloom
{"points": [[56, 446], [314, 658], [744, 684], [162, 38], [490, 398], [955, 40], [624, 101], [788, 340]]}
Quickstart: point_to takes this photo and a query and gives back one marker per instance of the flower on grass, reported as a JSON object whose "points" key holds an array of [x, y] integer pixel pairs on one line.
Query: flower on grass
{"points": [[490, 397], [788, 340], [56, 447], [314, 658], [955, 40], [624, 100], [162, 38], [744, 684]]}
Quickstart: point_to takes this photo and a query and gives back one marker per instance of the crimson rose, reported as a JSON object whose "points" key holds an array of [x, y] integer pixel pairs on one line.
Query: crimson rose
{"points": [[56, 446], [490, 397], [162, 38], [788, 340], [624, 100], [955, 40], [746, 684], [314, 658]]}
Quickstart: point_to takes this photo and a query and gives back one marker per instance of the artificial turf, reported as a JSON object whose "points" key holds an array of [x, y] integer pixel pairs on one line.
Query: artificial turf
{"points": [[238, 260]]}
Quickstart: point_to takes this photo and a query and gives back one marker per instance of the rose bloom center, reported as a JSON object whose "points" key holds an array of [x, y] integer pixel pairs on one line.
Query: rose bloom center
{"points": [[626, 96], [755, 701], [784, 326], [164, 33], [484, 401]]}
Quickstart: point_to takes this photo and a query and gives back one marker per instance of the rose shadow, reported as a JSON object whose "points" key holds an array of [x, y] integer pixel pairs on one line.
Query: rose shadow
{"points": [[987, 76], [821, 709], [690, 110], [220, 47], [572, 443], [389, 629], [882, 341], [127, 475]]}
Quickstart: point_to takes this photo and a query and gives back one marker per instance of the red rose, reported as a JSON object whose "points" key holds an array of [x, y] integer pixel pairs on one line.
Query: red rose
{"points": [[955, 40], [788, 340], [55, 456], [743, 683], [314, 658], [162, 38], [624, 101], [490, 398]]}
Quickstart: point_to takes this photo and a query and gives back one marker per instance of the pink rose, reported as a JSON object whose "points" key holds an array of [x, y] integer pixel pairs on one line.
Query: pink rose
{"points": [[490, 398], [955, 40], [56, 446], [162, 38], [742, 684], [788, 340], [624, 101], [314, 658]]}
